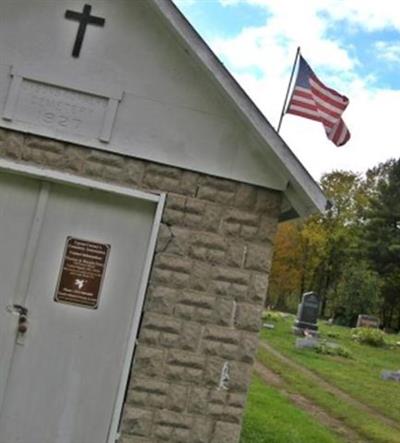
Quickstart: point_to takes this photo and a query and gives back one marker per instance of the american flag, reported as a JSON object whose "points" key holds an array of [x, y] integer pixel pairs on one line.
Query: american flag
{"points": [[312, 99]]}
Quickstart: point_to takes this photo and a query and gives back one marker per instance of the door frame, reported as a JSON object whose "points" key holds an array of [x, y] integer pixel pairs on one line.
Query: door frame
{"points": [[53, 176]]}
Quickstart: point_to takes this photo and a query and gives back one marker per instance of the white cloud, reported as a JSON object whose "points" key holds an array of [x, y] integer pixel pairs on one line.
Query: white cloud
{"points": [[269, 50], [388, 51], [373, 120], [368, 14]]}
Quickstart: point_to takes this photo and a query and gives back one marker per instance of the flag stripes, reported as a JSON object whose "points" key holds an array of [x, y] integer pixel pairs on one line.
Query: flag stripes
{"points": [[313, 100]]}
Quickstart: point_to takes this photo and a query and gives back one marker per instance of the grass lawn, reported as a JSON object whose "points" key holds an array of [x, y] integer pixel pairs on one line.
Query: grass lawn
{"points": [[369, 427], [359, 375], [271, 418]]}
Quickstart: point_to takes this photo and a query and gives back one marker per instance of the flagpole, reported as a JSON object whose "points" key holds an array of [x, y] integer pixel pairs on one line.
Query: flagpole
{"points": [[288, 89]]}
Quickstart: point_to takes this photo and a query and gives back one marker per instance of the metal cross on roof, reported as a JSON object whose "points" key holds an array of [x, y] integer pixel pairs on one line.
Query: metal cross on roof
{"points": [[84, 18]]}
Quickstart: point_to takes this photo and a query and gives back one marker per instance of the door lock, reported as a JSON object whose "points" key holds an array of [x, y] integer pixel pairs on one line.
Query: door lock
{"points": [[22, 311], [23, 323]]}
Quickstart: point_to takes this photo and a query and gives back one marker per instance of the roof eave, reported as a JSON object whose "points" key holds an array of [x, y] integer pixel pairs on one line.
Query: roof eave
{"points": [[303, 192]]}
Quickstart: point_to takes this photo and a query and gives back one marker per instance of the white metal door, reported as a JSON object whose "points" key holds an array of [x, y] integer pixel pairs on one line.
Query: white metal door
{"points": [[60, 382]]}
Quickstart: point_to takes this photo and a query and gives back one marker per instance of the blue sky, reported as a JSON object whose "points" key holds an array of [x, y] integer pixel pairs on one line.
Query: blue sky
{"points": [[352, 45], [215, 20]]}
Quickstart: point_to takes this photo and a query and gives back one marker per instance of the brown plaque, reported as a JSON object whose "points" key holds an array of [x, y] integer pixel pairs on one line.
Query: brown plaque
{"points": [[82, 272]]}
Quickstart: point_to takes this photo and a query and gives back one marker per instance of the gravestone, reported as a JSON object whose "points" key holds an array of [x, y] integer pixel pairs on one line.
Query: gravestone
{"points": [[307, 315], [307, 342], [390, 375], [367, 321], [268, 326]]}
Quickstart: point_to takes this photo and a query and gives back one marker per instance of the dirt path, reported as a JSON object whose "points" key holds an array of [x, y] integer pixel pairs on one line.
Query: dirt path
{"points": [[335, 391], [338, 427]]}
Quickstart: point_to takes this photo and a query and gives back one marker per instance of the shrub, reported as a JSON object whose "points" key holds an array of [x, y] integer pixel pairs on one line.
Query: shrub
{"points": [[272, 316], [332, 349], [369, 336]]}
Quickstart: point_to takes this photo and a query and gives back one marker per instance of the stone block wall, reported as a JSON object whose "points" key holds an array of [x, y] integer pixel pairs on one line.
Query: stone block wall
{"points": [[203, 306]]}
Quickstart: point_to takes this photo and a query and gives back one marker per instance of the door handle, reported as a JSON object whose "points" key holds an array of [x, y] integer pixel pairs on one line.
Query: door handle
{"points": [[17, 310], [21, 310]]}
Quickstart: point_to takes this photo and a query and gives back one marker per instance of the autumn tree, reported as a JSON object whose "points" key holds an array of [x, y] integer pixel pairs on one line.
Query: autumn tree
{"points": [[285, 275], [311, 254], [350, 254]]}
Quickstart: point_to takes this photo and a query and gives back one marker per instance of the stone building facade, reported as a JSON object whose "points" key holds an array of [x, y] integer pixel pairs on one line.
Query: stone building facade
{"points": [[150, 120], [202, 313]]}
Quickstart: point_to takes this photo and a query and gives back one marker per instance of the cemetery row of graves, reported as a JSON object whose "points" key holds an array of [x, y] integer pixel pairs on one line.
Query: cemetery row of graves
{"points": [[350, 255], [324, 384]]}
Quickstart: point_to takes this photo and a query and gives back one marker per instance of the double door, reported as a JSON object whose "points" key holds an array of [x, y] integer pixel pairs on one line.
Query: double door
{"points": [[63, 345]]}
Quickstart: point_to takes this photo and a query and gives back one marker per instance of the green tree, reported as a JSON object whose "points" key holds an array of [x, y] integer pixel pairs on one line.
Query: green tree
{"points": [[327, 253], [358, 292], [341, 224], [382, 239], [310, 254]]}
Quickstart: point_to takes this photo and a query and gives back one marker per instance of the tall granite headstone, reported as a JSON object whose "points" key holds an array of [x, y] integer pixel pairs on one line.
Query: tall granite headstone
{"points": [[307, 314]]}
